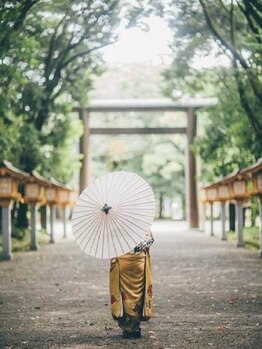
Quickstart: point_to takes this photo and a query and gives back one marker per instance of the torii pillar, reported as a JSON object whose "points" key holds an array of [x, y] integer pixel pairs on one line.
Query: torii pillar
{"points": [[191, 173], [84, 149], [147, 105]]}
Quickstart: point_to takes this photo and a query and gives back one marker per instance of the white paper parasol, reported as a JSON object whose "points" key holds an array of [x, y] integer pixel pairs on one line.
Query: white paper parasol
{"points": [[113, 214]]}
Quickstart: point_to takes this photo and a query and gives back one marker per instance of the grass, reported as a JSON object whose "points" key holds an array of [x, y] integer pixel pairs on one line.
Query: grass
{"points": [[19, 245], [251, 237]]}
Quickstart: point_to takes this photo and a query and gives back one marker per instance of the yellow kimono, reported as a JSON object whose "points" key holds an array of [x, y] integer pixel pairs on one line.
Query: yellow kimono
{"points": [[131, 289]]}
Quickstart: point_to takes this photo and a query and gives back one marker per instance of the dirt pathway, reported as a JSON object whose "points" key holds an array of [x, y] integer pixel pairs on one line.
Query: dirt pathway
{"points": [[207, 294]]}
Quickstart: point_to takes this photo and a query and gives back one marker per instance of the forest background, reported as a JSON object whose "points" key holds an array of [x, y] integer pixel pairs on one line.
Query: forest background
{"points": [[50, 58]]}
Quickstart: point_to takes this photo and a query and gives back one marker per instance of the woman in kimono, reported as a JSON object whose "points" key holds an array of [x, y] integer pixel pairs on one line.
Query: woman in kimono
{"points": [[131, 289]]}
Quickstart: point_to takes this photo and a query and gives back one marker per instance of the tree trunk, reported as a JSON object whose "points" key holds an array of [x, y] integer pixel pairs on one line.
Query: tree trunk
{"points": [[244, 216], [22, 221], [161, 206], [43, 217], [42, 116], [14, 211], [253, 217], [183, 200], [232, 217]]}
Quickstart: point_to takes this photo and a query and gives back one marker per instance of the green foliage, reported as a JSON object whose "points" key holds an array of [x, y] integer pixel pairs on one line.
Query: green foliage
{"points": [[233, 130], [48, 59], [157, 158], [12, 17], [163, 164], [19, 233], [251, 237], [228, 142], [29, 150], [49, 55], [21, 239], [62, 160], [9, 136]]}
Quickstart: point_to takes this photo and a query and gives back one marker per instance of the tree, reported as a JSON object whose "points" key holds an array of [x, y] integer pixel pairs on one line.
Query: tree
{"points": [[49, 53], [226, 28], [163, 165], [53, 59], [246, 70], [12, 17], [157, 158]]}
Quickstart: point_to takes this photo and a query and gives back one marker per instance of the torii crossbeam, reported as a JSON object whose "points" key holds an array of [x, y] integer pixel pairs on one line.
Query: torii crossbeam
{"points": [[189, 106]]}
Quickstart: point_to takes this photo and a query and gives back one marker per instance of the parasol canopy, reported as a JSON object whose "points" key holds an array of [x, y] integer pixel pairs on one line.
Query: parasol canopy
{"points": [[113, 214]]}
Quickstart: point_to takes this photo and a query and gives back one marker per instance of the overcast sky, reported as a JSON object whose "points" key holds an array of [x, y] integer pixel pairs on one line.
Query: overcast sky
{"points": [[136, 45]]}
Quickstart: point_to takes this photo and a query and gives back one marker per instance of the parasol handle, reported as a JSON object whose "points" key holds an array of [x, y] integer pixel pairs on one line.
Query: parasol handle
{"points": [[106, 208], [146, 244]]}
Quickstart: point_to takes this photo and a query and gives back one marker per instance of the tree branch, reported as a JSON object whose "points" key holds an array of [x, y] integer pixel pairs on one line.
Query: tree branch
{"points": [[235, 55], [257, 4], [213, 30], [84, 53], [253, 13], [224, 6], [5, 42], [252, 27], [48, 65], [60, 62], [246, 106], [232, 24]]}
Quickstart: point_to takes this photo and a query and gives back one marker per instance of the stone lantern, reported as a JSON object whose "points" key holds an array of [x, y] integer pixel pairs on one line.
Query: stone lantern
{"points": [[202, 195], [34, 192], [211, 194], [239, 189], [10, 178], [73, 197], [238, 186], [63, 202], [223, 194], [255, 173], [63, 196], [211, 197], [202, 199], [34, 195], [8, 187], [257, 185], [51, 196]]}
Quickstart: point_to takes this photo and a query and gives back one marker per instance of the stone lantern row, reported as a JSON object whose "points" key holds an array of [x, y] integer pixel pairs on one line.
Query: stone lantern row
{"points": [[237, 187], [36, 190]]}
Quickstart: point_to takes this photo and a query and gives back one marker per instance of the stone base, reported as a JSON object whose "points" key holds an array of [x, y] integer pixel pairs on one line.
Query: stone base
{"points": [[6, 257]]}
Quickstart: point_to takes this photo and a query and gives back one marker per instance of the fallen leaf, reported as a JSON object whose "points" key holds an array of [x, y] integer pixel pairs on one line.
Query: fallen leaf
{"points": [[220, 328], [233, 299]]}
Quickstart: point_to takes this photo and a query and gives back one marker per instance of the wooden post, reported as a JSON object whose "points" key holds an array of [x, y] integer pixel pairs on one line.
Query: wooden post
{"points": [[223, 221], [33, 233], [191, 182], [84, 149], [6, 231], [239, 211], [52, 221]]}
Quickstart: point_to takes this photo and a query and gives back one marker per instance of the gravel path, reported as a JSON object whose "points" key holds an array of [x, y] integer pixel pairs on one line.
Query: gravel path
{"points": [[207, 294]]}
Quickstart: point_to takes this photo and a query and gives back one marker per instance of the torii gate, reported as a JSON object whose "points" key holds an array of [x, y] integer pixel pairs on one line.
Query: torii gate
{"points": [[189, 106]]}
